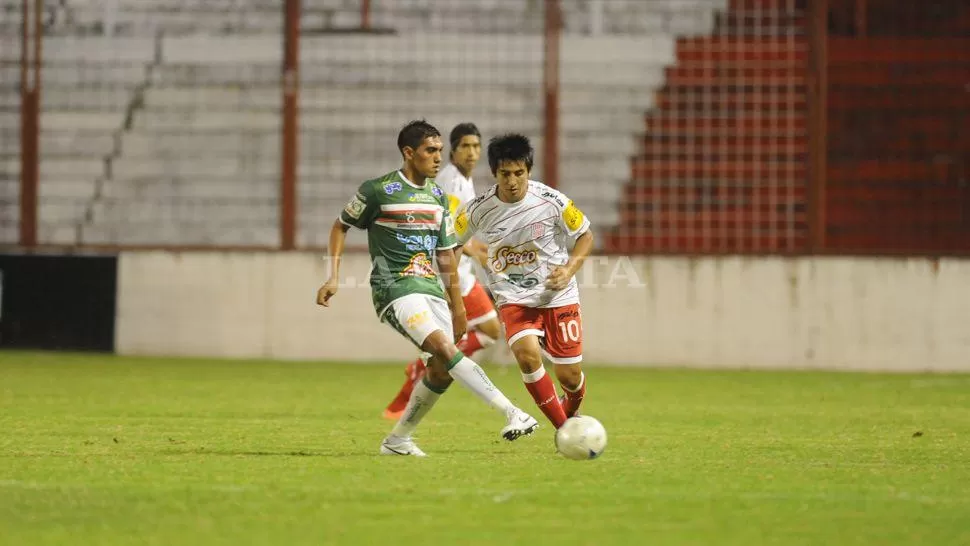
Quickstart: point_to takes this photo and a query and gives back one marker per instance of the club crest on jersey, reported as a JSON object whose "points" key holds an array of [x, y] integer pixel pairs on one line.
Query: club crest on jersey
{"points": [[390, 188], [419, 266], [436, 191], [538, 230], [506, 257]]}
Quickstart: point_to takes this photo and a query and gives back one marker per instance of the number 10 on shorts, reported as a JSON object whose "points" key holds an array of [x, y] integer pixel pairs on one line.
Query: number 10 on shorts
{"points": [[569, 331]]}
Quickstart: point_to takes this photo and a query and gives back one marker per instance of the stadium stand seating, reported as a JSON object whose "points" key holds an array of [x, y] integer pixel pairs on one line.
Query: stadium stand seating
{"points": [[160, 122], [722, 164], [899, 119]]}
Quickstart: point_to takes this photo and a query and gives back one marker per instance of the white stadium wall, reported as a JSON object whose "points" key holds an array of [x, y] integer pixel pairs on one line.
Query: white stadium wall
{"points": [[734, 312]]}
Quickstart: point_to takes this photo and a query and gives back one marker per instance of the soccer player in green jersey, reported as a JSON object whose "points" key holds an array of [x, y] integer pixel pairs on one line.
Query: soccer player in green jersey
{"points": [[409, 228]]}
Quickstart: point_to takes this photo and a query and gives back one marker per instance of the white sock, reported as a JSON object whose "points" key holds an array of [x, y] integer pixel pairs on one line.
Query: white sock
{"points": [[421, 401], [472, 377], [534, 376]]}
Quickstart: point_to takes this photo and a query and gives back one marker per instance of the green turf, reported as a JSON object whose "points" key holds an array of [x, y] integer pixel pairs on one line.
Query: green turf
{"points": [[106, 450]]}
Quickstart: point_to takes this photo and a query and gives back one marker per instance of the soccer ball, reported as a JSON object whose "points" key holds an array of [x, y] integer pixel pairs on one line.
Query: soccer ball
{"points": [[581, 437]]}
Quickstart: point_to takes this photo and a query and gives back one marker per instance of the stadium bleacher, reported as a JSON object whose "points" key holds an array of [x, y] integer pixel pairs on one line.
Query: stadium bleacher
{"points": [[161, 119]]}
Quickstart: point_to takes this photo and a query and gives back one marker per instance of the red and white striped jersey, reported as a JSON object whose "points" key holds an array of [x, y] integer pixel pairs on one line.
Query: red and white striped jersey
{"points": [[525, 239]]}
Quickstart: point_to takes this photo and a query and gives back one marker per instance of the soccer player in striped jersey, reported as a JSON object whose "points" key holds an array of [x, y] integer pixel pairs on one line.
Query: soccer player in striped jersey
{"points": [[455, 179], [537, 240], [408, 228]]}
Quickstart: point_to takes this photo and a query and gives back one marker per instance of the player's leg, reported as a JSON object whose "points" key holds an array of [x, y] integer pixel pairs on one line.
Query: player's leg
{"points": [[483, 326], [413, 318], [564, 348], [413, 372], [470, 375], [483, 330], [523, 326]]}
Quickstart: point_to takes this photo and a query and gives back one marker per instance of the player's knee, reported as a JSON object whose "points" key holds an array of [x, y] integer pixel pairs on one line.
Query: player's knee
{"points": [[440, 346], [569, 375], [529, 358]]}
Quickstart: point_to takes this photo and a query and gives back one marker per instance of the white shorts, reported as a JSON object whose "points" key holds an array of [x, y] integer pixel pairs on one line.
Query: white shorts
{"points": [[417, 316]]}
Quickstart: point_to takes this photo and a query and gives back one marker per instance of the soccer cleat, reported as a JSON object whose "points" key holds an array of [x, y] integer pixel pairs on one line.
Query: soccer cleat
{"points": [[520, 424], [401, 446], [392, 415]]}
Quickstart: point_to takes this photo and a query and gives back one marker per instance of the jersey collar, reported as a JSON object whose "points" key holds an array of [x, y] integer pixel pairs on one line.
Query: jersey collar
{"points": [[409, 183]]}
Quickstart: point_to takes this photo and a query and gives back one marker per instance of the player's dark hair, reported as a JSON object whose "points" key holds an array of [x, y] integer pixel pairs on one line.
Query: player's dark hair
{"points": [[461, 131], [414, 133], [509, 147]]}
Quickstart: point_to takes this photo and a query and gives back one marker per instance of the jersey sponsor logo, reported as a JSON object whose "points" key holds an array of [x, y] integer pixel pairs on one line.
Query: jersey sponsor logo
{"points": [[355, 207], [555, 197], [390, 188], [506, 257], [421, 198], [562, 315], [479, 199], [573, 217], [417, 319], [419, 266], [461, 223], [417, 243]]}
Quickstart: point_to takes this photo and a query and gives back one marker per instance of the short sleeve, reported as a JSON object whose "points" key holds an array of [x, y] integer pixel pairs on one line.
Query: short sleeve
{"points": [[446, 235], [572, 220], [359, 211]]}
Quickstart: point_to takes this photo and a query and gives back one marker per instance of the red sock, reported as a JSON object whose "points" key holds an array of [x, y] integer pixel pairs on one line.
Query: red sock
{"points": [[543, 391], [471, 343], [574, 398], [414, 371]]}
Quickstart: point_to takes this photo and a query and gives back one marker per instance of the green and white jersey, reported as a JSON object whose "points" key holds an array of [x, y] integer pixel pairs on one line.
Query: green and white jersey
{"points": [[406, 224]]}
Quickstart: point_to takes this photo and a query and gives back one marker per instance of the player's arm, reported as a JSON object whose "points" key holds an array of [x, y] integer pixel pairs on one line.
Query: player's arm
{"points": [[576, 226], [338, 235], [357, 213], [448, 268], [476, 249], [448, 241]]}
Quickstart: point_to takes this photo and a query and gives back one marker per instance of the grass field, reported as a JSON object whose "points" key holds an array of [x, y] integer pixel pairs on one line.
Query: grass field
{"points": [[107, 450]]}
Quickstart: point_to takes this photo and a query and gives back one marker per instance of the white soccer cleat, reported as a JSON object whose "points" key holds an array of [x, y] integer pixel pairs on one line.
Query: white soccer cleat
{"points": [[520, 424], [392, 445]]}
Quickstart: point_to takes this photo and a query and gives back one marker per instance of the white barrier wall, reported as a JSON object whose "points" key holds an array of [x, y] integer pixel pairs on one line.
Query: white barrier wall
{"points": [[834, 313]]}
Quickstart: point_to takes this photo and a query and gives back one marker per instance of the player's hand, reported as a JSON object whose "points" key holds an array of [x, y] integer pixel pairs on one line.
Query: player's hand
{"points": [[558, 278], [326, 292], [459, 323]]}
